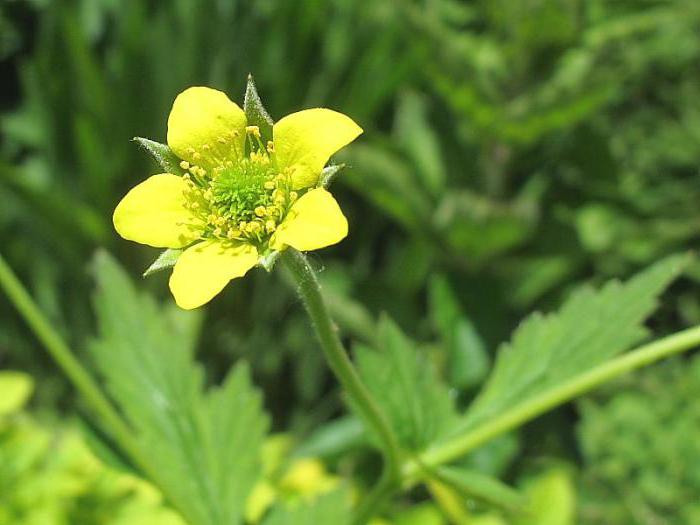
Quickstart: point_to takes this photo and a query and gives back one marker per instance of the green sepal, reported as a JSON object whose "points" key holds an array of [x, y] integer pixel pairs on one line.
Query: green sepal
{"points": [[165, 260], [255, 112], [268, 261], [163, 155], [328, 175]]}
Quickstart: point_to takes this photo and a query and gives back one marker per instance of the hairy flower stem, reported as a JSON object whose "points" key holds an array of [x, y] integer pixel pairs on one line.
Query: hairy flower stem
{"points": [[528, 410], [310, 291], [79, 376]]}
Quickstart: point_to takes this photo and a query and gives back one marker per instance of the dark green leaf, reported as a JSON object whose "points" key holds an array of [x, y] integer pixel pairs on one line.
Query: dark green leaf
{"points": [[406, 386]]}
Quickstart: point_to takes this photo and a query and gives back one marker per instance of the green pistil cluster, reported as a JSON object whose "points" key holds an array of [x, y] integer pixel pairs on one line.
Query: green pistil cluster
{"points": [[243, 199]]}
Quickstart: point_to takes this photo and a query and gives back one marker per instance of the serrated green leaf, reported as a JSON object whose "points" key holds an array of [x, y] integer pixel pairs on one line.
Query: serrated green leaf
{"points": [[167, 160], [404, 383], [202, 446], [592, 327], [255, 112], [165, 260], [333, 507]]}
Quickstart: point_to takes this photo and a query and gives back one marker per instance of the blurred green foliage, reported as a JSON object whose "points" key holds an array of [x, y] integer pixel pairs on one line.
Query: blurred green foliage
{"points": [[512, 151], [49, 476], [640, 448]]}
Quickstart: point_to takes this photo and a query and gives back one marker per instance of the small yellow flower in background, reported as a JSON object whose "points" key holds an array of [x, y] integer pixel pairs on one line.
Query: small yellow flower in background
{"points": [[240, 198]]}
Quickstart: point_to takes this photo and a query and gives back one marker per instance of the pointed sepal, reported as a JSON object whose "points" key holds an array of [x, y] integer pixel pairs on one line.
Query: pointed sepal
{"points": [[255, 112], [162, 154], [165, 260]]}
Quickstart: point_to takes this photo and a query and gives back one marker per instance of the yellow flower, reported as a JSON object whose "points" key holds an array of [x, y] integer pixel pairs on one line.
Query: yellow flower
{"points": [[239, 199]]}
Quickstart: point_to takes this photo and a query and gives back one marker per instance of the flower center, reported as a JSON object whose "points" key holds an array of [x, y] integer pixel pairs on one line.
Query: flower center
{"points": [[241, 198]]}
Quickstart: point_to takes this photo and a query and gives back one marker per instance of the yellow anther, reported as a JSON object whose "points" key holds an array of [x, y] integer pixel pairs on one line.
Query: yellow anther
{"points": [[208, 194], [220, 221], [232, 234], [217, 231], [260, 211], [270, 146], [270, 226], [253, 227], [211, 219], [270, 185], [273, 210], [195, 205], [221, 140], [196, 156], [253, 130], [293, 196], [206, 147], [242, 225], [185, 165]]}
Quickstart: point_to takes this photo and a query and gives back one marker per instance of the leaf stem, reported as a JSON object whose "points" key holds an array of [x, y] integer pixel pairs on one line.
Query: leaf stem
{"points": [[520, 414], [310, 291]]}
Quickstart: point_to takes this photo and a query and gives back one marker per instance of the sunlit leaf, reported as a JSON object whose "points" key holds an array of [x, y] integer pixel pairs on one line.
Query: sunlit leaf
{"points": [[591, 327], [202, 445]]}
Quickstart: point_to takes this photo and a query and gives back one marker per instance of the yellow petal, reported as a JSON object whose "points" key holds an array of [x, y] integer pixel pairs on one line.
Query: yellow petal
{"points": [[204, 269], [313, 222], [201, 126], [154, 213], [307, 139]]}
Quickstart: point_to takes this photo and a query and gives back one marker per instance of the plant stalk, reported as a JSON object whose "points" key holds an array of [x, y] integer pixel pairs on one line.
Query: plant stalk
{"points": [[310, 291], [511, 419], [61, 354]]}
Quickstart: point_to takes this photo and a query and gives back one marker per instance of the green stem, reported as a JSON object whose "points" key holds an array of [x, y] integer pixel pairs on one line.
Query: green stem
{"points": [[645, 355], [310, 291], [66, 360], [371, 503]]}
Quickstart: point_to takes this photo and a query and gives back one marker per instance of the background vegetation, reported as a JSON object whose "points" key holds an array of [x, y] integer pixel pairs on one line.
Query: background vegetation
{"points": [[512, 151]]}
